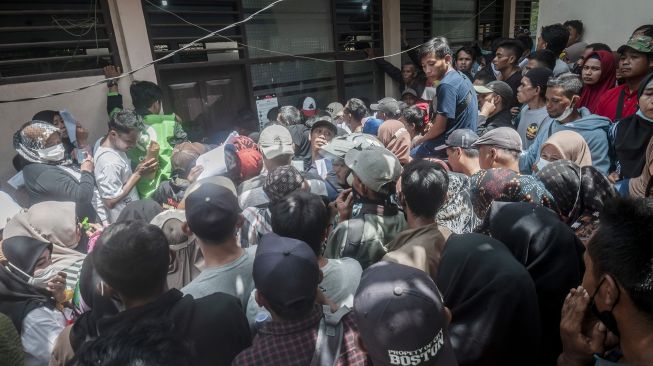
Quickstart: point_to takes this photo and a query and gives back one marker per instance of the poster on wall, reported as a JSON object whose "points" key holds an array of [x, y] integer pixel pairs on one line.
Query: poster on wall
{"points": [[263, 105]]}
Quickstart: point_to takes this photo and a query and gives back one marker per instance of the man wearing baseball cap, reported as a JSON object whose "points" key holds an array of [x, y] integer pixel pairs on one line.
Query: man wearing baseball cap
{"points": [[322, 132], [635, 63], [286, 274], [462, 157], [363, 233], [336, 150], [495, 99], [388, 108], [401, 317], [499, 148], [409, 96], [213, 216]]}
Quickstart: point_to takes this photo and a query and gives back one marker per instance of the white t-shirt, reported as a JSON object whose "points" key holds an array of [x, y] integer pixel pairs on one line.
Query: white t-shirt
{"points": [[112, 170], [41, 327]]}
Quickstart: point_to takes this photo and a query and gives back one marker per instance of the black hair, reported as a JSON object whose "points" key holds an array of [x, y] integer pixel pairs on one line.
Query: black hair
{"points": [[144, 94], [303, 216], [289, 115], [132, 257], [599, 47], [415, 116], [576, 24], [19, 162], [621, 247], [647, 28], [556, 37], [437, 46], [467, 49], [424, 186], [356, 108], [151, 342], [526, 41], [125, 121], [272, 114], [545, 57], [514, 46], [409, 63], [470, 153], [484, 76]]}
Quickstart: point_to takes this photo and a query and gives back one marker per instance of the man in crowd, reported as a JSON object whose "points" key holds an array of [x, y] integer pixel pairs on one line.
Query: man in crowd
{"points": [[410, 97], [575, 46], [387, 108], [495, 100], [616, 289], [292, 119], [408, 77], [562, 96], [364, 233], [131, 259], [287, 274], [499, 148], [213, 216], [462, 157], [540, 59], [353, 114], [532, 94], [402, 318], [554, 37], [456, 99], [323, 132], [113, 173], [635, 62], [421, 245], [339, 147], [506, 61]]}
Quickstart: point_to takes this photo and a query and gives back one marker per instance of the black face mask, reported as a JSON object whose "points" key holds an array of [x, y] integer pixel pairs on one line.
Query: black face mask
{"points": [[606, 317]]}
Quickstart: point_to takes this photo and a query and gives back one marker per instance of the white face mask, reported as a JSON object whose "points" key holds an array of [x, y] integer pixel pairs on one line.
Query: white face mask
{"points": [[53, 153], [41, 276], [566, 113], [542, 163]]}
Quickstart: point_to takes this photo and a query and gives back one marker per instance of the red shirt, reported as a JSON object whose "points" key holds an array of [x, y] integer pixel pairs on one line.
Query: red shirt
{"points": [[607, 105]]}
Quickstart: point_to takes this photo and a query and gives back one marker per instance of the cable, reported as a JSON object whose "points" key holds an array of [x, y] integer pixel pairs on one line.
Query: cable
{"points": [[124, 74]]}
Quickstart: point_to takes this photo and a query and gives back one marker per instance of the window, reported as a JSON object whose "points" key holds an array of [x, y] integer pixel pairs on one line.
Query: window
{"points": [[490, 20], [454, 19], [46, 40]]}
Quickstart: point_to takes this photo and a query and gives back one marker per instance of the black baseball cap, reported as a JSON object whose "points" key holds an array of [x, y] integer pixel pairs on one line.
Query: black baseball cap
{"points": [[285, 271], [388, 105], [324, 121], [211, 208], [401, 317], [501, 88], [462, 137]]}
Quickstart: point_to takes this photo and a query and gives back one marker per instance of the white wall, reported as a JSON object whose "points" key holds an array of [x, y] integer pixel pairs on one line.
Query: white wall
{"points": [[605, 21], [88, 106]]}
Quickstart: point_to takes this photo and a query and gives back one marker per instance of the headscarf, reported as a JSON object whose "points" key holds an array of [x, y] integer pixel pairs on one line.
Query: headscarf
{"points": [[639, 186], [501, 184], [142, 210], [31, 138], [492, 300], [551, 253], [281, 182], [396, 138], [577, 190], [17, 297], [591, 93], [457, 212], [572, 146]]}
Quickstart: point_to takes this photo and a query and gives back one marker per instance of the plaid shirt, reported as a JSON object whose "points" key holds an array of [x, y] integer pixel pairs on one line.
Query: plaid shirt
{"points": [[293, 343]]}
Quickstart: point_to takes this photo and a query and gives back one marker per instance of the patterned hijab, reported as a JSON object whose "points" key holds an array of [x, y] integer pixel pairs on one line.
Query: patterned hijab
{"points": [[578, 191], [281, 182], [31, 138], [505, 185], [457, 213]]}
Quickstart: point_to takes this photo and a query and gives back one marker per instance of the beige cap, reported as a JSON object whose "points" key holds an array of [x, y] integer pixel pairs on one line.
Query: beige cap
{"points": [[375, 167], [275, 141]]}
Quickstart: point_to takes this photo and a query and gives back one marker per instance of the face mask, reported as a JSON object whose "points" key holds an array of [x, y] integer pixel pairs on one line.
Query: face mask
{"points": [[40, 278], [566, 113], [53, 153], [606, 317], [542, 163], [350, 179]]}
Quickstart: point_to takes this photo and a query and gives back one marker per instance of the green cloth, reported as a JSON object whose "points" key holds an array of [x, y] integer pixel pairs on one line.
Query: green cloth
{"points": [[11, 350], [378, 231], [159, 128]]}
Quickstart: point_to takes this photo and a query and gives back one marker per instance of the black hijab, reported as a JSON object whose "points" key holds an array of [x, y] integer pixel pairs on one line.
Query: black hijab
{"points": [[493, 303], [631, 139], [17, 297], [143, 210], [551, 253]]}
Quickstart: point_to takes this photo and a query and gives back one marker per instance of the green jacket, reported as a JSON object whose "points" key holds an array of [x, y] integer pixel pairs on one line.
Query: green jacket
{"points": [[364, 237]]}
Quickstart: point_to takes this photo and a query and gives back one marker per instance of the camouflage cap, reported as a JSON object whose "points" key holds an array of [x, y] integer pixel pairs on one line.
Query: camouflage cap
{"points": [[643, 44]]}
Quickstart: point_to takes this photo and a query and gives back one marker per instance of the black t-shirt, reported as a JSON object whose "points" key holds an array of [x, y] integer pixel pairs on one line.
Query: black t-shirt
{"points": [[514, 81], [301, 139]]}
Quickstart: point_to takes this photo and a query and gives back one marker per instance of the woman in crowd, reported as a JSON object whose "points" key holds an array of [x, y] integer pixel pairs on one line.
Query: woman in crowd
{"points": [[579, 192], [49, 176], [493, 303], [394, 136], [457, 212], [54, 118], [642, 186], [505, 185], [598, 75], [565, 145], [551, 253], [30, 300]]}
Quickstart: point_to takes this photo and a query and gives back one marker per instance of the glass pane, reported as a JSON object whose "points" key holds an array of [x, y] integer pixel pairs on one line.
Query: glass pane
{"points": [[295, 27], [455, 20], [293, 80], [363, 81]]}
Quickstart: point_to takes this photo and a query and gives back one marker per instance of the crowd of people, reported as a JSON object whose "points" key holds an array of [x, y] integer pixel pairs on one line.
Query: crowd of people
{"points": [[496, 214]]}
